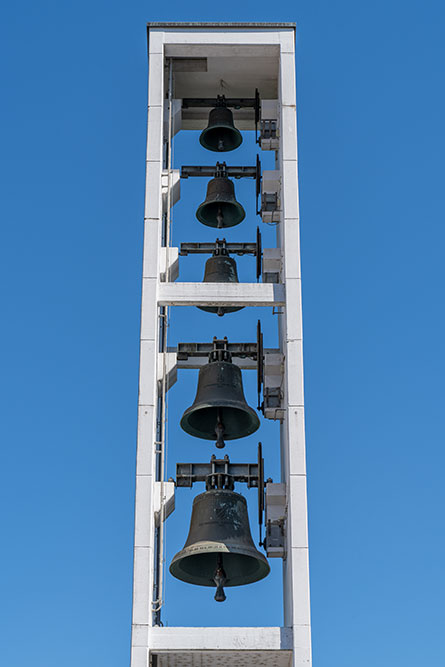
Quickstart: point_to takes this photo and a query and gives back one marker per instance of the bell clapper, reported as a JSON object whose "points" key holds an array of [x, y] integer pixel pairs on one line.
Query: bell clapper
{"points": [[219, 430], [219, 218], [219, 579]]}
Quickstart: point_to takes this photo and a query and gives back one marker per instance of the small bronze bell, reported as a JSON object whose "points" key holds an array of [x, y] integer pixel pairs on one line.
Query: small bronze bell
{"points": [[220, 268], [220, 208], [219, 550], [220, 134], [220, 408]]}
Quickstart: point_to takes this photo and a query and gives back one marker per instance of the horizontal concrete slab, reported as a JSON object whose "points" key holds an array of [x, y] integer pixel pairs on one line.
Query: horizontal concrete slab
{"points": [[221, 294], [220, 639]]}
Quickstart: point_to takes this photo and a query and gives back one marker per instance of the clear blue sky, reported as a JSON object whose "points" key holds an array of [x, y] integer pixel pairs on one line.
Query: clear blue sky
{"points": [[371, 147]]}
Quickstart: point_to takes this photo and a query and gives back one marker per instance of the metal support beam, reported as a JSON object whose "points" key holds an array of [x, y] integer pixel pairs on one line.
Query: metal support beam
{"points": [[205, 171], [208, 248], [188, 474], [273, 360], [236, 102]]}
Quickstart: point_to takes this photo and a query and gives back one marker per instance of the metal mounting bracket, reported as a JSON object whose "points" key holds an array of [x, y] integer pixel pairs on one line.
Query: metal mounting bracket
{"points": [[275, 520], [187, 350], [188, 474], [220, 169], [222, 100]]}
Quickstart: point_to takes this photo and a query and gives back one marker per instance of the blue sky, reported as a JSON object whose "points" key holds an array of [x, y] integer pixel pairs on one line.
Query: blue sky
{"points": [[371, 147]]}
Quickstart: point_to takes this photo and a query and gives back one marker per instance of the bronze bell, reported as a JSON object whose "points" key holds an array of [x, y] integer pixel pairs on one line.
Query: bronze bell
{"points": [[220, 134], [220, 208], [220, 268], [219, 550], [220, 408]]}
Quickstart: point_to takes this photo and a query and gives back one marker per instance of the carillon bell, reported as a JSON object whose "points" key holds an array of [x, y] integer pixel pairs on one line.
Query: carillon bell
{"points": [[220, 268], [220, 134], [219, 550], [220, 208], [220, 408]]}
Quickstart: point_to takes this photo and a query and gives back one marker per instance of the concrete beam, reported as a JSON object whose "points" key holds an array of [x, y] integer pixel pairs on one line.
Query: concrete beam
{"points": [[220, 294], [255, 639]]}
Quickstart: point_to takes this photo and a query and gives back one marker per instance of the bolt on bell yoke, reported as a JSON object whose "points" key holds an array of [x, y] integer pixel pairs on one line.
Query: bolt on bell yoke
{"points": [[220, 408], [220, 268], [220, 135], [220, 207], [219, 550]]}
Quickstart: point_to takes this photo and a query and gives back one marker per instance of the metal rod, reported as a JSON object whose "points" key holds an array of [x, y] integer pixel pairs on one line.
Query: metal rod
{"points": [[161, 436], [236, 102], [210, 171], [187, 350], [189, 248]]}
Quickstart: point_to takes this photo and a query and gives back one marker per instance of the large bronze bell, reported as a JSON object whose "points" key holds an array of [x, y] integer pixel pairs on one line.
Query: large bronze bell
{"points": [[220, 409], [219, 550], [220, 134], [220, 208], [220, 268]]}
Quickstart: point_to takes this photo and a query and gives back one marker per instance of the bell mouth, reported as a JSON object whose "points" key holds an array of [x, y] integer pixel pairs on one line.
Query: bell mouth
{"points": [[229, 137], [220, 310], [196, 564], [238, 423], [232, 214]]}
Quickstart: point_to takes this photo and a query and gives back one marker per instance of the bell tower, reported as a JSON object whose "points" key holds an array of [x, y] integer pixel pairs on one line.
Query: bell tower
{"points": [[225, 80]]}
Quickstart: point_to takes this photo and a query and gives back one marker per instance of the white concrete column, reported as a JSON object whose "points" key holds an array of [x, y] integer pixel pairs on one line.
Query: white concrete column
{"points": [[296, 565], [149, 345]]}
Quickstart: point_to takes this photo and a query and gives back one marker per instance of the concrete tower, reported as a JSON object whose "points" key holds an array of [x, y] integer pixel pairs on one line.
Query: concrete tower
{"points": [[197, 56]]}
